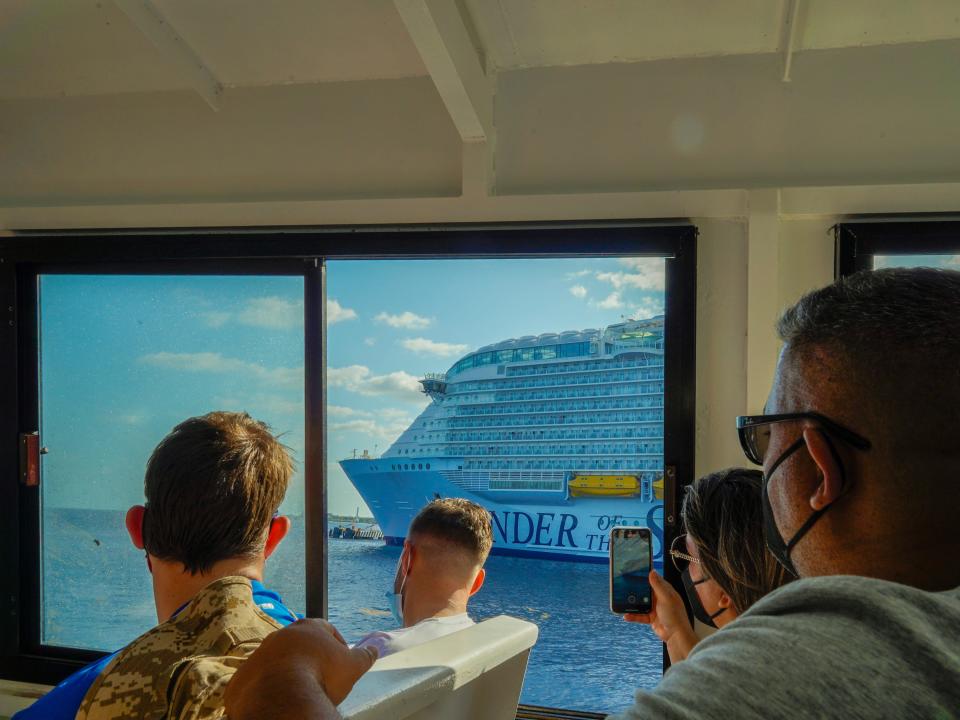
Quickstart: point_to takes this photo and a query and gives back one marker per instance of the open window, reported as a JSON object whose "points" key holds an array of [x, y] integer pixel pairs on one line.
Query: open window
{"points": [[547, 373]]}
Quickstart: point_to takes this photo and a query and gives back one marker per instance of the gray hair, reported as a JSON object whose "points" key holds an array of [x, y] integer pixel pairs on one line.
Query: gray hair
{"points": [[896, 335]]}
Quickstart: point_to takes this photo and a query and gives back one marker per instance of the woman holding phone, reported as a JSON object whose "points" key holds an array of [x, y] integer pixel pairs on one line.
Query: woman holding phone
{"points": [[722, 558]]}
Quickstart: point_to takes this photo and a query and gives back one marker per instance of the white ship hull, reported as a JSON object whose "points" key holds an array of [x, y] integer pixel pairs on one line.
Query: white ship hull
{"points": [[542, 524]]}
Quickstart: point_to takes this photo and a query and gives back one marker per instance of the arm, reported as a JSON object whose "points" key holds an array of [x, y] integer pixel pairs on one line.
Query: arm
{"points": [[668, 619], [282, 693], [303, 671]]}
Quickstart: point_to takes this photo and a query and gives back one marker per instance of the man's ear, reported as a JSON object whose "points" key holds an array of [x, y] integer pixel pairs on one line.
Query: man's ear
{"points": [[134, 523], [407, 556], [724, 600], [279, 527], [831, 474], [478, 582]]}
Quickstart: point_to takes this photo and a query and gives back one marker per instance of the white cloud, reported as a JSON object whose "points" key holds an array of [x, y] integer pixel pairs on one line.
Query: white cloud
{"points": [[610, 302], [358, 378], [406, 319], [647, 308], [649, 274], [370, 341], [383, 433], [364, 426], [423, 346], [132, 418], [395, 414], [578, 273], [578, 291], [337, 313], [272, 312], [209, 362], [384, 426], [216, 319], [397, 384], [645, 264], [341, 411], [348, 377]]}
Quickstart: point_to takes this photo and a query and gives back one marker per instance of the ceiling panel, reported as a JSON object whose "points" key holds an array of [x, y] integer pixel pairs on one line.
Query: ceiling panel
{"points": [[535, 33], [51, 48], [80, 47], [829, 24], [541, 33], [252, 42], [877, 115]]}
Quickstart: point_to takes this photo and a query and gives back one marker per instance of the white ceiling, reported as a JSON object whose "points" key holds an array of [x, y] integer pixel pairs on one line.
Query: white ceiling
{"points": [[540, 33], [56, 48], [322, 99]]}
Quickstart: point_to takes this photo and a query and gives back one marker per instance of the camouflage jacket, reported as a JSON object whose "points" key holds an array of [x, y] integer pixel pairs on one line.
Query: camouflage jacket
{"points": [[180, 669]]}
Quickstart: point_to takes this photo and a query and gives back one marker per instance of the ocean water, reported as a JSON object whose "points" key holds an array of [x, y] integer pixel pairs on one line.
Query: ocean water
{"points": [[97, 594]]}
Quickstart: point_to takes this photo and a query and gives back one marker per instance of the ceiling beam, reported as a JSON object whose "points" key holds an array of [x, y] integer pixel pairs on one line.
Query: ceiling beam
{"points": [[150, 21], [441, 35], [789, 34]]}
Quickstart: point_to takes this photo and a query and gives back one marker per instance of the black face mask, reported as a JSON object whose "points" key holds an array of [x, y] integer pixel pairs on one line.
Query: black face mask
{"points": [[699, 611], [771, 533]]}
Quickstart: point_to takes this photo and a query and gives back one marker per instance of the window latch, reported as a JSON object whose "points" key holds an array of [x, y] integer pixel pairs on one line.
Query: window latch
{"points": [[30, 452], [670, 494]]}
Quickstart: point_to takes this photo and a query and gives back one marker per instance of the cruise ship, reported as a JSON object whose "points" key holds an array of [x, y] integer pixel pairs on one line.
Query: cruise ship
{"points": [[559, 436]]}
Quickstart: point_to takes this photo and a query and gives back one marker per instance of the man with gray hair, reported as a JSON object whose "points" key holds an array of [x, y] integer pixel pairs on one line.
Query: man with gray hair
{"points": [[861, 492]]}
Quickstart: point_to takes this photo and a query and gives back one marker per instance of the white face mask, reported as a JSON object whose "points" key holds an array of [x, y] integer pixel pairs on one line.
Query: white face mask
{"points": [[395, 603], [395, 598]]}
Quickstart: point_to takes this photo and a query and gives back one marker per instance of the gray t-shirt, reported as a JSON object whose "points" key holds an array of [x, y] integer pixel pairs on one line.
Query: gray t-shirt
{"points": [[829, 647]]}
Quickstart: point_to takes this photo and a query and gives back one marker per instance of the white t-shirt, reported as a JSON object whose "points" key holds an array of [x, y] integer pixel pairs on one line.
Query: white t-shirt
{"points": [[388, 642]]}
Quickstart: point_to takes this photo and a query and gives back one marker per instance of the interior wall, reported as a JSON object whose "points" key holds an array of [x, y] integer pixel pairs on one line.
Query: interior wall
{"points": [[721, 341], [727, 332]]}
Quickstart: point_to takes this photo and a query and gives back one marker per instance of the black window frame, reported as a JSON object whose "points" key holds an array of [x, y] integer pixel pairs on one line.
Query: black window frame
{"points": [[294, 251], [858, 243]]}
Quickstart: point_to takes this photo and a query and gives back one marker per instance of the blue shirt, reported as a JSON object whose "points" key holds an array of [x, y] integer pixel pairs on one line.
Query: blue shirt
{"points": [[63, 701]]}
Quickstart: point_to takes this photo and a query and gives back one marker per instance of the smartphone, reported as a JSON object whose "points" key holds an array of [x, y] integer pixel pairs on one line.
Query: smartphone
{"points": [[631, 558]]}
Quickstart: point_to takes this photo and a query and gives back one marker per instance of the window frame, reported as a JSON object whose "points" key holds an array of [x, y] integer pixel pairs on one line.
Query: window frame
{"points": [[858, 243], [293, 251]]}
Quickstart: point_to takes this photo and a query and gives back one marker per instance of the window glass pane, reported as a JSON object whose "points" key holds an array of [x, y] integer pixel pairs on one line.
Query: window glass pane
{"points": [[560, 438], [951, 262], [124, 359]]}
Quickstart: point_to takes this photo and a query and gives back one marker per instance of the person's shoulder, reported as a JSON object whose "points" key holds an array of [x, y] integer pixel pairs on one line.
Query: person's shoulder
{"points": [[199, 685], [851, 595], [461, 620], [222, 614], [220, 620], [270, 602], [63, 701]]}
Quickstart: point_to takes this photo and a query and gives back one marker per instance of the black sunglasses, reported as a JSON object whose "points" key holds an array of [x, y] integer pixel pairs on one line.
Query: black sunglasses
{"points": [[754, 432]]}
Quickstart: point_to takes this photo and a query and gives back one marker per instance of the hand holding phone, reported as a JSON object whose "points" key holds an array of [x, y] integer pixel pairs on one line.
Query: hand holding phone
{"points": [[631, 558]]}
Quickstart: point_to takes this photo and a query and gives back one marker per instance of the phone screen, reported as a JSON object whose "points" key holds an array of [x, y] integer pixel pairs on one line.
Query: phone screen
{"points": [[630, 558]]}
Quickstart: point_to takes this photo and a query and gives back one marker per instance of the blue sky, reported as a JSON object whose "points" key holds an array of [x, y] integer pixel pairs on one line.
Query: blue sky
{"points": [[125, 358], [951, 262]]}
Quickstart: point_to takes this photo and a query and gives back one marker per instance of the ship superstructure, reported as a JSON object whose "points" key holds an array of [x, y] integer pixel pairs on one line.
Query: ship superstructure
{"points": [[559, 436]]}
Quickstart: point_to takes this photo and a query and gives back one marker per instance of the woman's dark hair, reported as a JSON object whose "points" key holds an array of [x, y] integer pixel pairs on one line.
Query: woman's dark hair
{"points": [[723, 516]]}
